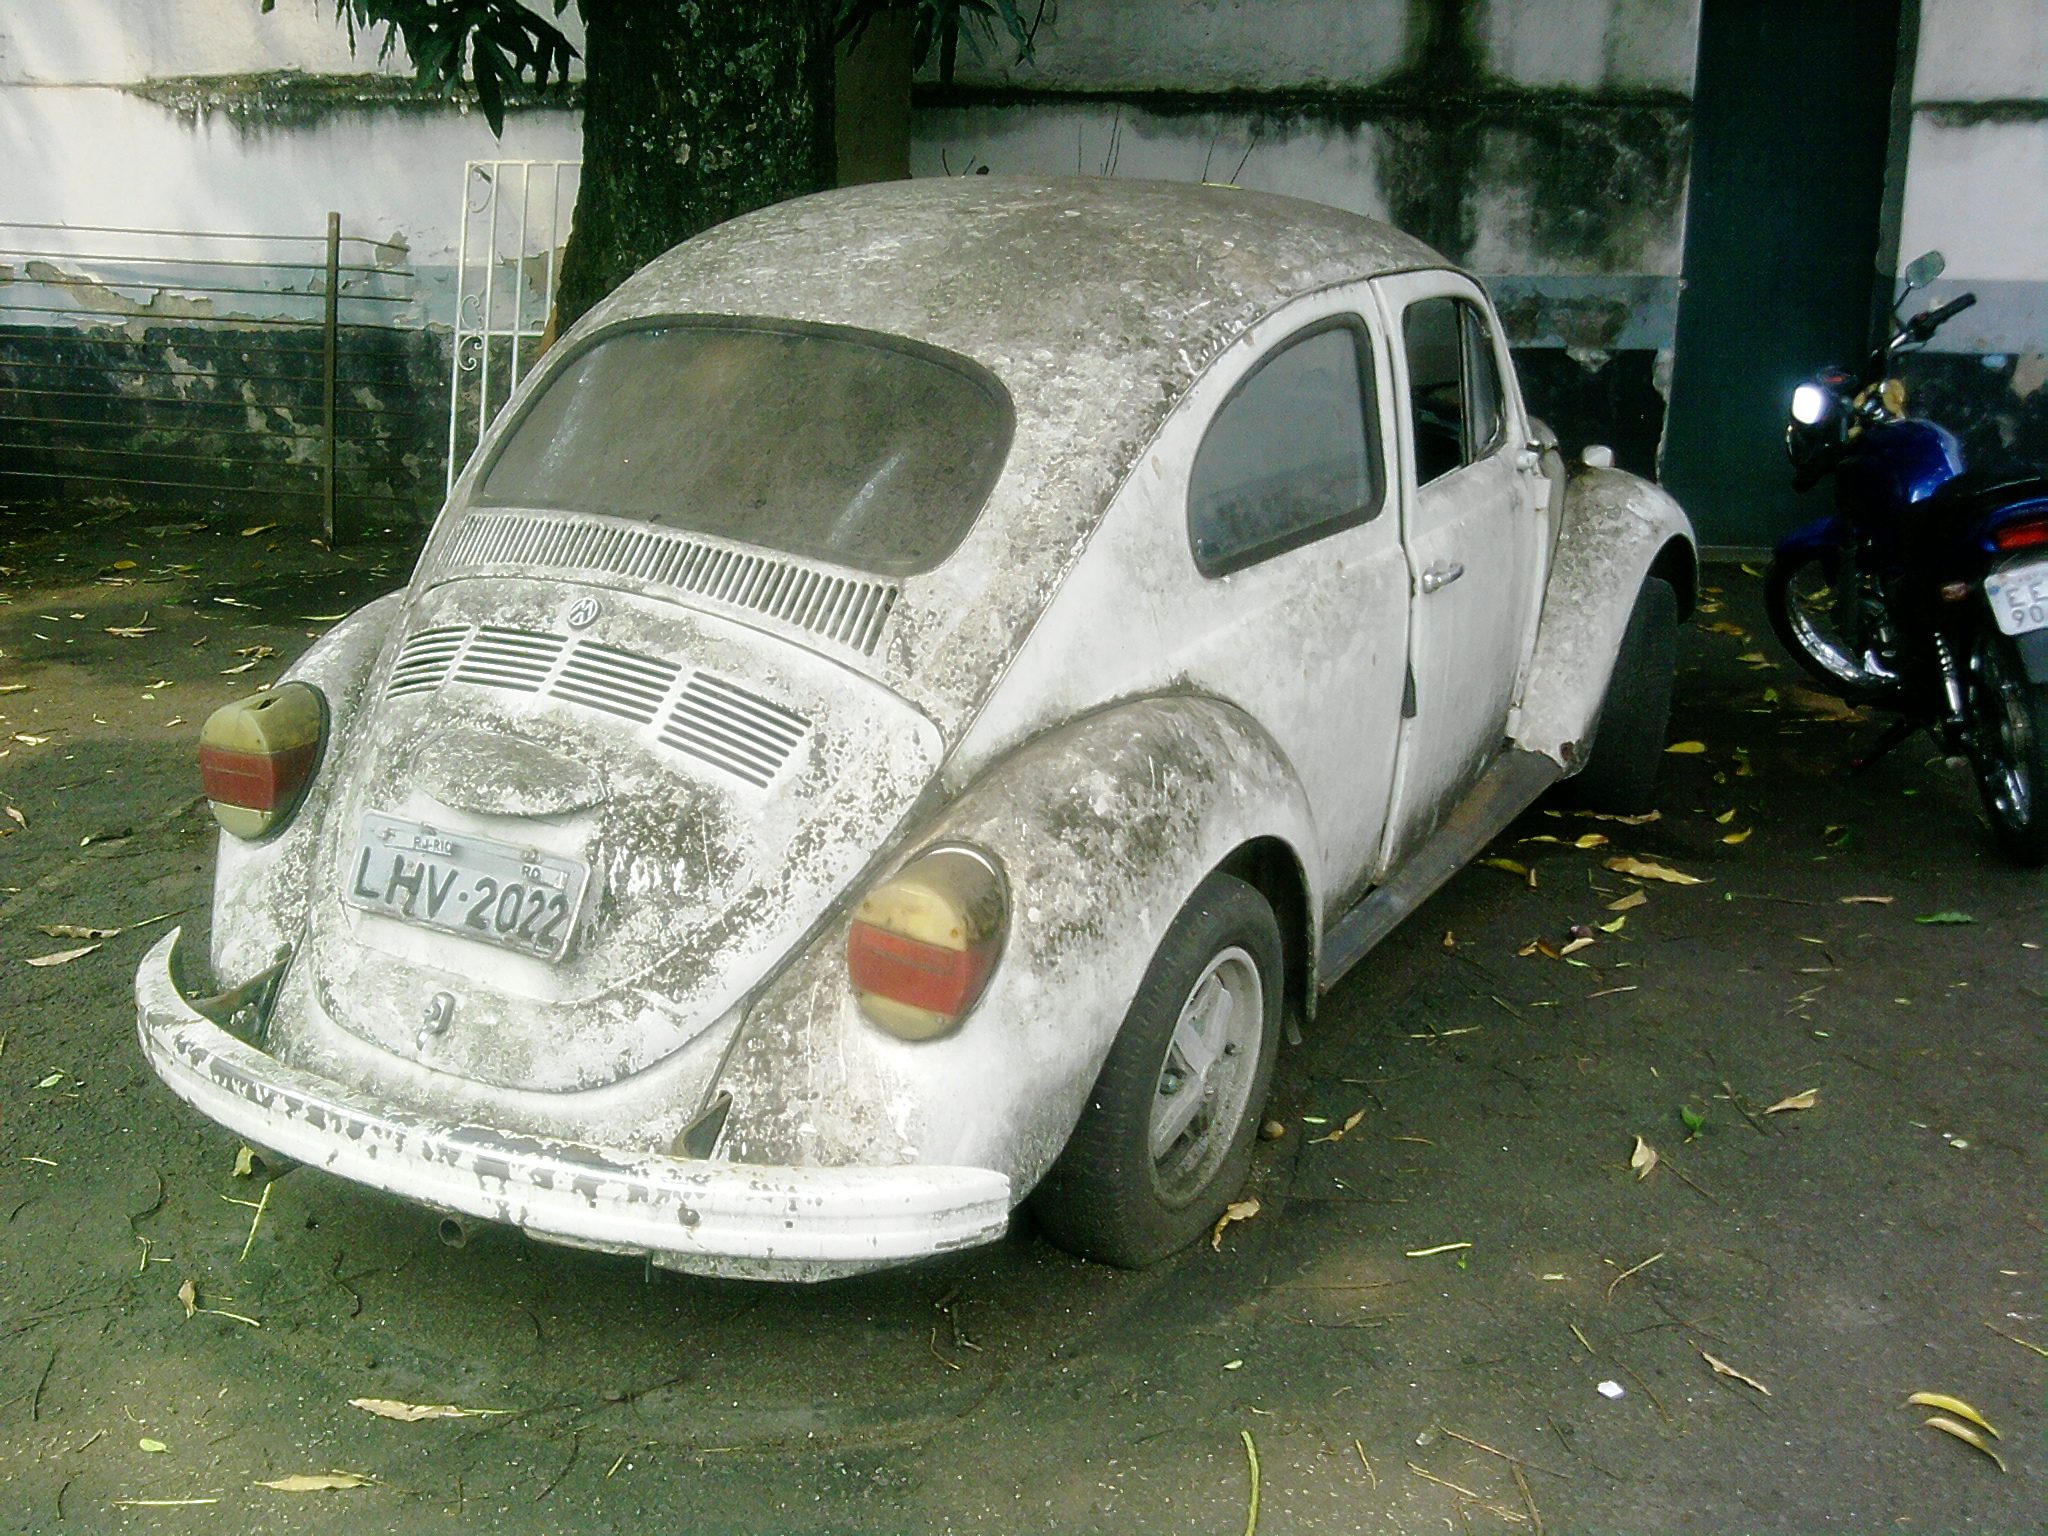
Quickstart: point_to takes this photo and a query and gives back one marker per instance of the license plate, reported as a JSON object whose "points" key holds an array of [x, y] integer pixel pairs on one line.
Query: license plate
{"points": [[2019, 597], [498, 893]]}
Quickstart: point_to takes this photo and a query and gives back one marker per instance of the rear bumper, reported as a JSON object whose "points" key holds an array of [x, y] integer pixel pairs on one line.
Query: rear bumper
{"points": [[736, 1219]]}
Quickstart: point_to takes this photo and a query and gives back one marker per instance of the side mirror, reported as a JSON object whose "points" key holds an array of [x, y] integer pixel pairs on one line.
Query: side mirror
{"points": [[1922, 270]]}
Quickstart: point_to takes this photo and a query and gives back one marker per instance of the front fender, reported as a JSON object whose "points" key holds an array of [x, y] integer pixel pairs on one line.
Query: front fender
{"points": [[1617, 530], [1103, 828], [261, 888]]}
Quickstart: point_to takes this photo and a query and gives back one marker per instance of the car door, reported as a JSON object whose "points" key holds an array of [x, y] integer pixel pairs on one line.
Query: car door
{"points": [[1474, 532]]}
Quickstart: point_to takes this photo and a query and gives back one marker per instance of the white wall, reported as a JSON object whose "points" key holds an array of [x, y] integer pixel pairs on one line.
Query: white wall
{"points": [[1977, 168]]}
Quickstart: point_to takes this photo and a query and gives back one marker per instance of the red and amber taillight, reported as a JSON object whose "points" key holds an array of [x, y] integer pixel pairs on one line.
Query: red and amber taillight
{"points": [[257, 755], [924, 943]]}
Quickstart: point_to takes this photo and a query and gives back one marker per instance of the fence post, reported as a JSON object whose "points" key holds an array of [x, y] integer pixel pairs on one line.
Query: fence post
{"points": [[330, 336]]}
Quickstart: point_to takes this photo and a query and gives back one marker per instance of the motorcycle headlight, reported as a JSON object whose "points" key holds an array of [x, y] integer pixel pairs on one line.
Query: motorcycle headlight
{"points": [[1809, 404]]}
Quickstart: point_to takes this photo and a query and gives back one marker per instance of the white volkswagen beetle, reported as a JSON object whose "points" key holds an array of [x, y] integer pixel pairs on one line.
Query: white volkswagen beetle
{"points": [[912, 691]]}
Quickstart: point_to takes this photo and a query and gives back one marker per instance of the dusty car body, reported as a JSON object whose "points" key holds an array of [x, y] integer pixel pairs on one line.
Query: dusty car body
{"points": [[1225, 599]]}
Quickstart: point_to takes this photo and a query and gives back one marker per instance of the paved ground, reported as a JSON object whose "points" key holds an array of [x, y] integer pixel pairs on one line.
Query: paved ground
{"points": [[1554, 1364]]}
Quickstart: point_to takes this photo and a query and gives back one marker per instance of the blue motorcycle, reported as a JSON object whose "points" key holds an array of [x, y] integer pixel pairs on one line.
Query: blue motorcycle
{"points": [[1925, 592]]}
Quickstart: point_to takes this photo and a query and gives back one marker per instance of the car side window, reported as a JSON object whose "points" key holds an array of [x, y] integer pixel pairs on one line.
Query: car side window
{"points": [[1291, 456], [1454, 389]]}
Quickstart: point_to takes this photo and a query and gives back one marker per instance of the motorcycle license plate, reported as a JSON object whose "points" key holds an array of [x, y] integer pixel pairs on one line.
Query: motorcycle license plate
{"points": [[497, 893], [2019, 597]]}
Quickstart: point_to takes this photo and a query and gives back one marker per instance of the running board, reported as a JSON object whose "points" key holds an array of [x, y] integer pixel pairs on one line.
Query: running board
{"points": [[1508, 788]]}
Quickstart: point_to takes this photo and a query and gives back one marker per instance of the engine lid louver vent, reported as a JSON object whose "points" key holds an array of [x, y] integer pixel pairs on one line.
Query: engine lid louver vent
{"points": [[708, 718], [843, 609]]}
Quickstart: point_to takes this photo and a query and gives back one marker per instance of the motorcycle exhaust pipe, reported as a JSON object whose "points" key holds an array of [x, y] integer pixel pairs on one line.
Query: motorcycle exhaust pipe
{"points": [[453, 1231]]}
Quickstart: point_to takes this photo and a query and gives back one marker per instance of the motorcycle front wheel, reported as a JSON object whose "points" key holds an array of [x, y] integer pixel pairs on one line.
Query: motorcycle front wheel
{"points": [[2009, 747], [1828, 614]]}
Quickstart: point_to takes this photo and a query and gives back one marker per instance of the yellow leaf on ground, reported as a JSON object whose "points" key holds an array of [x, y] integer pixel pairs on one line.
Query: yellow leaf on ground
{"points": [[317, 1482], [1868, 901], [63, 956], [1739, 837], [1337, 1135], [153, 1447], [1967, 1435], [1643, 1159], [1687, 748], [1626, 821], [412, 1413], [1510, 865], [1805, 1100], [1630, 902], [1723, 1368], [1237, 1210], [1644, 869], [1615, 926], [188, 1293], [1956, 1406], [1725, 817], [245, 1162], [1591, 840]]}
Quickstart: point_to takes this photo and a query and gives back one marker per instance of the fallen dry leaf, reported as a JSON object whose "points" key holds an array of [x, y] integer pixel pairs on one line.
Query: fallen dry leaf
{"points": [[1614, 927], [412, 1413], [153, 1447], [1739, 837], [63, 956], [1343, 1130], [250, 533], [1630, 902], [245, 1162], [1804, 1100], [1510, 865], [317, 1482], [29, 741], [1644, 869], [131, 631], [1868, 901], [1624, 821], [188, 1293], [1687, 748], [1575, 946], [1237, 1210], [1967, 1435], [1723, 1368], [76, 931], [1591, 840], [1643, 1159], [231, 671], [17, 818], [1956, 1406]]}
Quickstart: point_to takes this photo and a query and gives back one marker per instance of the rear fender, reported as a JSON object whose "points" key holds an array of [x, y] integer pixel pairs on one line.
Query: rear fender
{"points": [[1617, 530], [1102, 828], [260, 888]]}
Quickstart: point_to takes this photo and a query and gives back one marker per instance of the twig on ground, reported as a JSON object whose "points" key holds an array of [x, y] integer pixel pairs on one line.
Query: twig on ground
{"points": [[1251, 1454], [1633, 1269], [1508, 1456]]}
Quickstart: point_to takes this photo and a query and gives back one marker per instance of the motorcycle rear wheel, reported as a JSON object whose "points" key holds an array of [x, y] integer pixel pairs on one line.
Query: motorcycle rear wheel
{"points": [[1826, 615], [2009, 747]]}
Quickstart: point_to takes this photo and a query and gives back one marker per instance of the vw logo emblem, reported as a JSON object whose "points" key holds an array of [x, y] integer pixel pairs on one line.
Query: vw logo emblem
{"points": [[582, 613]]}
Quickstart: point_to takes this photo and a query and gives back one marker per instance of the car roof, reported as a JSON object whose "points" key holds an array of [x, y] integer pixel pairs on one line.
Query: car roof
{"points": [[1096, 302], [1022, 273]]}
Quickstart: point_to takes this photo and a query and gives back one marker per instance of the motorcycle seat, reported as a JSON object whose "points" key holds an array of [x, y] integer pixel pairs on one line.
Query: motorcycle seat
{"points": [[1975, 494]]}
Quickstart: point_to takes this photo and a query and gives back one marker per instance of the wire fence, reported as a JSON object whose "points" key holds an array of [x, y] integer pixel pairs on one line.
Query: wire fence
{"points": [[294, 374]]}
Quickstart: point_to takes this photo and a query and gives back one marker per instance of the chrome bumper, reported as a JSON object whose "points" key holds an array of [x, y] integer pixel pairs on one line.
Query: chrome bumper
{"points": [[734, 1219]]}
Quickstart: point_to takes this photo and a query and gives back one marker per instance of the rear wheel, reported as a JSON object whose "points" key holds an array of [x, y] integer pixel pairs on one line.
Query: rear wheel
{"points": [[1166, 1137], [1628, 737], [1831, 617], [2009, 747]]}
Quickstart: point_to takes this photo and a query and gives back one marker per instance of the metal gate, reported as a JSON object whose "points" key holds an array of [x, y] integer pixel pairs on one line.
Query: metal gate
{"points": [[514, 219]]}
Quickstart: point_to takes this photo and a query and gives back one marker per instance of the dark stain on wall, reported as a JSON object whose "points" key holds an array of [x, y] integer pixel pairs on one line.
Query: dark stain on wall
{"points": [[1611, 398], [286, 98], [199, 417], [1997, 404]]}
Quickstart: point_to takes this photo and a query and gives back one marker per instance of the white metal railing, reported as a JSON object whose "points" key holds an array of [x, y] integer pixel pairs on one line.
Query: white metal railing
{"points": [[514, 219]]}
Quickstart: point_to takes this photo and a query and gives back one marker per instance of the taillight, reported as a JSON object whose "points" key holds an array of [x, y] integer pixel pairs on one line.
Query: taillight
{"points": [[924, 943], [257, 755], [2022, 533]]}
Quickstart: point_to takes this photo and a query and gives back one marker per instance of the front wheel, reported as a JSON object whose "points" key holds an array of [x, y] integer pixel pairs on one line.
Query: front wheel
{"points": [[1831, 617], [1166, 1138], [2009, 747]]}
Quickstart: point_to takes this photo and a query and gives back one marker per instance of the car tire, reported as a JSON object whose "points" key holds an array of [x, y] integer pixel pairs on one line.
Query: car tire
{"points": [[1150, 1166], [1620, 775]]}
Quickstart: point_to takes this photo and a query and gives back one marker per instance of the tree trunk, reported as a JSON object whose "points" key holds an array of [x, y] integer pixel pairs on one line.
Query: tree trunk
{"points": [[695, 111]]}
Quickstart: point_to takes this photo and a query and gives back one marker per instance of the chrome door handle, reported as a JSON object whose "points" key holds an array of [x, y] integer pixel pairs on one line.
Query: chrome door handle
{"points": [[1437, 577]]}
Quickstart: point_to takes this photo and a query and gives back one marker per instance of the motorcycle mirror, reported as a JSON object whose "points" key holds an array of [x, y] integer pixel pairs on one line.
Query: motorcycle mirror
{"points": [[1922, 270]]}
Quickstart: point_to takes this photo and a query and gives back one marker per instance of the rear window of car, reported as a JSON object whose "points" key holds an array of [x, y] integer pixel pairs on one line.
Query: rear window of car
{"points": [[817, 441]]}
